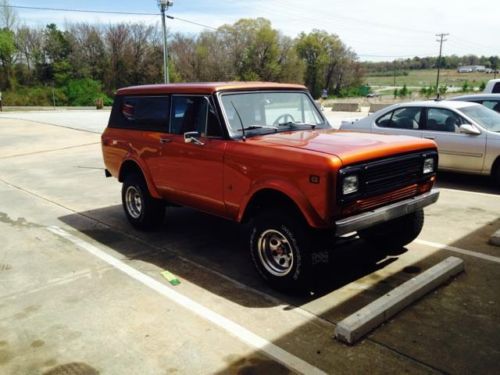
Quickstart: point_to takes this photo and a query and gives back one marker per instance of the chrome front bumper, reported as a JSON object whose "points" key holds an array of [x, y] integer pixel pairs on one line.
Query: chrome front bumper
{"points": [[385, 213]]}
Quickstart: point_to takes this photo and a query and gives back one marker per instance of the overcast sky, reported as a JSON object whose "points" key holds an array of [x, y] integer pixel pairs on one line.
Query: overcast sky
{"points": [[374, 29]]}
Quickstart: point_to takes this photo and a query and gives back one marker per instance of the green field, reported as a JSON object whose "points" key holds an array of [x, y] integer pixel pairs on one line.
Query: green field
{"points": [[424, 78]]}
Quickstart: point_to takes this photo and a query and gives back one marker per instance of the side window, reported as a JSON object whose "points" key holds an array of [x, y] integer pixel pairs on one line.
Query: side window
{"points": [[401, 118], [492, 104], [496, 88], [439, 119], [213, 125], [141, 112], [189, 113]]}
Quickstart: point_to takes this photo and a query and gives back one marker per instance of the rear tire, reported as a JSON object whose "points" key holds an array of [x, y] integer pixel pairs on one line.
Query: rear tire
{"points": [[142, 210], [396, 233], [279, 247]]}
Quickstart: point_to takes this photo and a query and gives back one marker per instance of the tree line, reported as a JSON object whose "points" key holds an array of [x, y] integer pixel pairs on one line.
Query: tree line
{"points": [[417, 63], [83, 62]]}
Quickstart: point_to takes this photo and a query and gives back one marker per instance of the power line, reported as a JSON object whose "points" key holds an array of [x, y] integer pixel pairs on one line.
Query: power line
{"points": [[108, 12], [81, 10], [191, 22]]}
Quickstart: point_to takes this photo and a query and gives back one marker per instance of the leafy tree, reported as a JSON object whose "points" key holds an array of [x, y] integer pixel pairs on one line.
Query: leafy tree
{"points": [[329, 63], [84, 92], [7, 50]]}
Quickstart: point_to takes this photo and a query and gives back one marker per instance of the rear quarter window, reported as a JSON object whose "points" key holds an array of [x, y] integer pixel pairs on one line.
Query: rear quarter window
{"points": [[141, 113]]}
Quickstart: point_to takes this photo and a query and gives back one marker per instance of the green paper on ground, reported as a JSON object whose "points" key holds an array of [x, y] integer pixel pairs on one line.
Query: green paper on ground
{"points": [[171, 278]]}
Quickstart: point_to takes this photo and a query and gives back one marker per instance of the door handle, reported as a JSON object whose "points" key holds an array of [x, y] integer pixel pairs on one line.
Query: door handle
{"points": [[165, 140], [431, 138]]}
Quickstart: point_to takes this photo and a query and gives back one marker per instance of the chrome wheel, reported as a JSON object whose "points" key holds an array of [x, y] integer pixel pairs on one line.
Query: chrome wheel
{"points": [[133, 202], [275, 252]]}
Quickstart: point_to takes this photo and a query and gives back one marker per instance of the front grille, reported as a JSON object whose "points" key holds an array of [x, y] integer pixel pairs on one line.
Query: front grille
{"points": [[366, 204], [385, 175]]}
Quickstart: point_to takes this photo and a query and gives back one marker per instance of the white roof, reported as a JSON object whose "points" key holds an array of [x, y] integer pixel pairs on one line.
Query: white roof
{"points": [[437, 103]]}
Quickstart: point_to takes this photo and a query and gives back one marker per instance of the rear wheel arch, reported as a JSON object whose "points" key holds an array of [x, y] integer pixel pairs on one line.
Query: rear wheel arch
{"points": [[131, 167]]}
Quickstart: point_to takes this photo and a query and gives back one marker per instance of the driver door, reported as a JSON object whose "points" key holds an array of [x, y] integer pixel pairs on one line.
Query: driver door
{"points": [[192, 173]]}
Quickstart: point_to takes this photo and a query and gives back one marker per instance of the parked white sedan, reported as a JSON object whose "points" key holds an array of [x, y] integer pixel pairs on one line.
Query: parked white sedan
{"points": [[467, 134]]}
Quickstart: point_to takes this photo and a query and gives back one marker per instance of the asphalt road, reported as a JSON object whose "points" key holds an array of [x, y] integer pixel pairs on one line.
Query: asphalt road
{"points": [[81, 291]]}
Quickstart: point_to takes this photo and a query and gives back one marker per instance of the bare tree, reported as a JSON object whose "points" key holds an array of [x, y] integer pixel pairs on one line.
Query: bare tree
{"points": [[8, 16]]}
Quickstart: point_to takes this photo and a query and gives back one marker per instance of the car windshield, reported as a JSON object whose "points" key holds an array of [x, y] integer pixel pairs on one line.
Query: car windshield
{"points": [[485, 117], [264, 112]]}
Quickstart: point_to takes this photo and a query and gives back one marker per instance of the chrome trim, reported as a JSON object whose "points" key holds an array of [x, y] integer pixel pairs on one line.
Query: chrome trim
{"points": [[385, 213], [275, 252]]}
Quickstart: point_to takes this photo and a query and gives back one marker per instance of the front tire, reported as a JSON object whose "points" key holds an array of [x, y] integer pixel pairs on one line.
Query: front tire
{"points": [[279, 249], [142, 210], [395, 233]]}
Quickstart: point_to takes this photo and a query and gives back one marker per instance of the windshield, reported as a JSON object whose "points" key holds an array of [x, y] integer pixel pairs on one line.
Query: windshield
{"points": [[485, 117], [264, 112]]}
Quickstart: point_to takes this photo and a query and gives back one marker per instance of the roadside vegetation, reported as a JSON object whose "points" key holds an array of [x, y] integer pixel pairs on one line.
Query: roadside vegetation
{"points": [[85, 62]]}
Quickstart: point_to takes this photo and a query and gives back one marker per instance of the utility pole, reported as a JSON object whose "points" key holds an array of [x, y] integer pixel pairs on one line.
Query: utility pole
{"points": [[164, 5], [440, 40], [394, 71]]}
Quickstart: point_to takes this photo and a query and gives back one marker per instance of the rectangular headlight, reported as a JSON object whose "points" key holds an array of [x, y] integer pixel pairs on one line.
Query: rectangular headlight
{"points": [[429, 166], [350, 184]]}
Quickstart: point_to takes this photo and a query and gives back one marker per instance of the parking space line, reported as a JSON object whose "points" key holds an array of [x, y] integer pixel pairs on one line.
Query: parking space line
{"points": [[257, 342], [470, 192], [475, 254]]}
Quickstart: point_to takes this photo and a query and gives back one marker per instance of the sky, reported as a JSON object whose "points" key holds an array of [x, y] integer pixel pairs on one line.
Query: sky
{"points": [[377, 30]]}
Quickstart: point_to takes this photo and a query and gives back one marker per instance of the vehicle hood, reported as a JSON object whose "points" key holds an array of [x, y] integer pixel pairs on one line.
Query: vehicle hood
{"points": [[349, 147]]}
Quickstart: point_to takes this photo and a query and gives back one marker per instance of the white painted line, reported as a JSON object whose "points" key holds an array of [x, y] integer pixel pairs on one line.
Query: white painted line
{"points": [[355, 326], [259, 343], [475, 254]]}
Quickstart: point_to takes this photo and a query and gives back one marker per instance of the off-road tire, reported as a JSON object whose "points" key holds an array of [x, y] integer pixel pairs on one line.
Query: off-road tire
{"points": [[151, 212], [396, 233], [295, 235]]}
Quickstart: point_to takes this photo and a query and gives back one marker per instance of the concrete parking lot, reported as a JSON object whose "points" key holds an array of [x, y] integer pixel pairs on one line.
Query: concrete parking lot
{"points": [[81, 292]]}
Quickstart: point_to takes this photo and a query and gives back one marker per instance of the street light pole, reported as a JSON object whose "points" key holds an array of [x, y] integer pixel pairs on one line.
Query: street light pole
{"points": [[164, 4]]}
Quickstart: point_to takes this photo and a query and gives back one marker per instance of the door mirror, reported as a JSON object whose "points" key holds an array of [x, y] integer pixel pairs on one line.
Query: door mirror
{"points": [[192, 137], [469, 129]]}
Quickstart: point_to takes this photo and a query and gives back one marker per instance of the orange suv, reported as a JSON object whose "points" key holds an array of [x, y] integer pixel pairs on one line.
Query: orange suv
{"points": [[263, 154]]}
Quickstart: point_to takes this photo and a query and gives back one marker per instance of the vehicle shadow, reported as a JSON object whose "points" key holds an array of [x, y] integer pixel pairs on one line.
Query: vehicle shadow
{"points": [[207, 251], [190, 243], [460, 181]]}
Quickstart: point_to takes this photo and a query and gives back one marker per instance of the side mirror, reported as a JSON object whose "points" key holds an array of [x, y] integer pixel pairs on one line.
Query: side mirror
{"points": [[469, 129], [192, 137]]}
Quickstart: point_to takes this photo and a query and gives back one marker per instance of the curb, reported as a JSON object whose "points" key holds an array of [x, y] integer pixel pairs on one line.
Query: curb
{"points": [[495, 238]]}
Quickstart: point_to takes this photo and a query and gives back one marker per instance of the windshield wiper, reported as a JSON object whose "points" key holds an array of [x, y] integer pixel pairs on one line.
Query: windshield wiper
{"points": [[254, 127], [297, 124]]}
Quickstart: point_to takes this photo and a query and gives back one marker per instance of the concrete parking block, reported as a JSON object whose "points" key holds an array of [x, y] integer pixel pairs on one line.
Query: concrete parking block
{"points": [[495, 238], [355, 326]]}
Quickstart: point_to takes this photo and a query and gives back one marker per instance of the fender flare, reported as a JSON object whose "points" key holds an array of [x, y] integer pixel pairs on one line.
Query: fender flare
{"points": [[289, 190], [129, 158]]}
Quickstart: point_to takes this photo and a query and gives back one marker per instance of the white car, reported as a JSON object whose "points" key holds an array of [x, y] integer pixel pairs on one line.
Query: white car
{"points": [[467, 134]]}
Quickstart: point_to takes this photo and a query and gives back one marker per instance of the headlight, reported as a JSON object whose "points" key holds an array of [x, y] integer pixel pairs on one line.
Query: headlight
{"points": [[429, 166], [350, 184]]}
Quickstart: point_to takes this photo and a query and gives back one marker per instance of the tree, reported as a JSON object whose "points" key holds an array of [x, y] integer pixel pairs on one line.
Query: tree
{"points": [[8, 16], [329, 63], [7, 50]]}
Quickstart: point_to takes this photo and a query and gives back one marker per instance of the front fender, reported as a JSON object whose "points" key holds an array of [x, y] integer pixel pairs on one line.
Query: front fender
{"points": [[291, 191]]}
